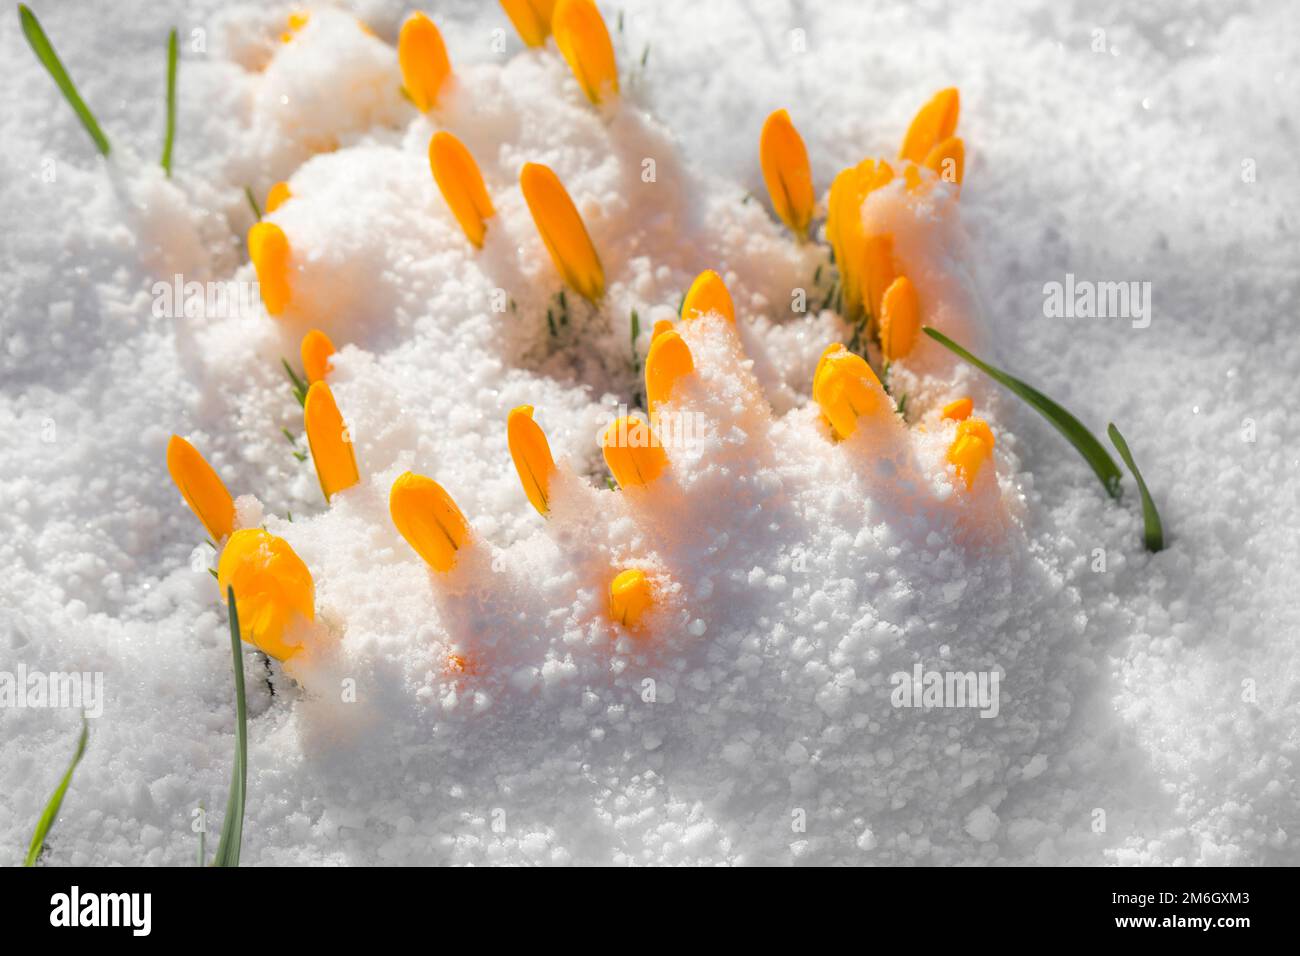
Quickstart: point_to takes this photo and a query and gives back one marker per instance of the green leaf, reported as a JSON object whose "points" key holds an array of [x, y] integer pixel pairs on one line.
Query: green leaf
{"points": [[232, 827], [46, 822], [44, 51], [300, 386], [1093, 452], [252, 202], [171, 103], [1153, 530]]}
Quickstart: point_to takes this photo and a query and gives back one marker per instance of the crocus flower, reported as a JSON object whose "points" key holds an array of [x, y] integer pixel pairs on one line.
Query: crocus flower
{"points": [[784, 159], [532, 456], [583, 39], [273, 588], [201, 488], [422, 56], [329, 440], [630, 596], [562, 230], [428, 519]]}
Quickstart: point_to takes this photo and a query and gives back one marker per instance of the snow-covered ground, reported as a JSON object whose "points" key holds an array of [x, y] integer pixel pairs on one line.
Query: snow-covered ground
{"points": [[1148, 703]]}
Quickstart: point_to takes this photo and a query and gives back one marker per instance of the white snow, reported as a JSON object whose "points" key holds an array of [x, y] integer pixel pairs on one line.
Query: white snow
{"points": [[1148, 710]]}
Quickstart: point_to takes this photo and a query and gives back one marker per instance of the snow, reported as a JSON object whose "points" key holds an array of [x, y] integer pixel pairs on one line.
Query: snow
{"points": [[1148, 710]]}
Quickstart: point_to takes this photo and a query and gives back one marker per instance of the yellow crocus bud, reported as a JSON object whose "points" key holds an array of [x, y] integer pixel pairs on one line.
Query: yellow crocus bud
{"points": [[878, 271], [268, 247], [562, 230], [423, 58], [630, 596], [316, 351], [708, 293], [958, 410], [662, 326], [845, 230], [632, 452], [461, 185], [272, 589], [428, 519], [971, 448], [201, 488], [277, 197], [330, 443], [900, 319], [786, 172], [532, 18], [532, 455], [668, 360], [948, 160], [846, 388], [936, 121], [581, 35]]}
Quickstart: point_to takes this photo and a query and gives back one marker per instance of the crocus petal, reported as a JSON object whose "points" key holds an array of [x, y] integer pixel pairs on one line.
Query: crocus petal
{"points": [[461, 185], [316, 352], [632, 452], [562, 230], [972, 447], [422, 56], [708, 294], [330, 442], [936, 121], [201, 488], [428, 519], [630, 596], [532, 18], [784, 159], [583, 39], [268, 247], [900, 319], [272, 588], [668, 360], [846, 389], [532, 456], [277, 197]]}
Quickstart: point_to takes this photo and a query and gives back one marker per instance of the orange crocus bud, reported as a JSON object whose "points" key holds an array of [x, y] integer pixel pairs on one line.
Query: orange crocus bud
{"points": [[958, 410], [428, 519], [972, 447], [268, 247], [632, 452], [630, 596], [662, 326], [201, 488], [461, 185], [329, 440], [667, 361], [277, 197], [845, 230], [423, 58], [532, 456], [532, 18], [936, 121], [948, 160], [846, 389], [583, 39], [272, 586], [562, 230], [708, 293], [784, 158], [878, 271], [316, 351], [900, 319]]}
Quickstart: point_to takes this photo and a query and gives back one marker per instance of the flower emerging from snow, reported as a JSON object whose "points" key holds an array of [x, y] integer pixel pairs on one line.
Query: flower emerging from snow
{"points": [[846, 389], [422, 56], [583, 39], [532, 18], [268, 247], [428, 519], [532, 456], [630, 596], [632, 453], [900, 319], [708, 293], [272, 589], [562, 230], [934, 123], [784, 158], [972, 447], [201, 488], [316, 351], [329, 440], [667, 361], [461, 185]]}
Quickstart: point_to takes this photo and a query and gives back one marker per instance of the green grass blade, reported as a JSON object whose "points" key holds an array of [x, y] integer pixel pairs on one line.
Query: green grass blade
{"points": [[1153, 530], [1093, 451], [44, 51], [171, 103], [252, 202], [46, 822], [232, 827]]}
